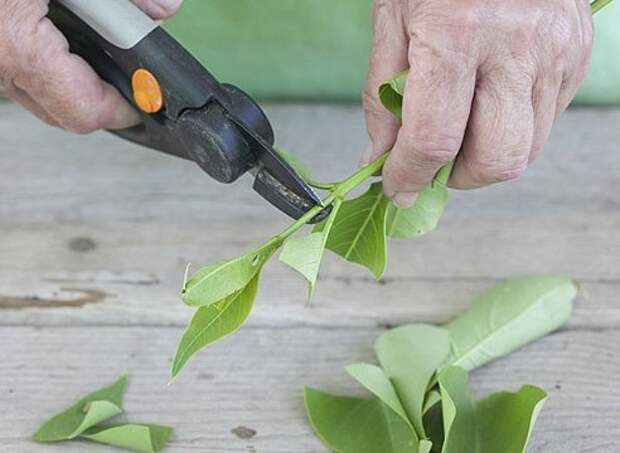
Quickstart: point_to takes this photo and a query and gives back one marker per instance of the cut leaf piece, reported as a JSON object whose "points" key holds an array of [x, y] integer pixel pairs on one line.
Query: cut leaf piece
{"points": [[89, 411], [304, 253], [433, 397], [217, 281], [215, 321], [410, 355], [425, 214], [391, 94], [425, 446], [433, 424], [374, 379], [508, 316], [459, 412], [353, 425], [135, 437], [358, 231], [505, 420]]}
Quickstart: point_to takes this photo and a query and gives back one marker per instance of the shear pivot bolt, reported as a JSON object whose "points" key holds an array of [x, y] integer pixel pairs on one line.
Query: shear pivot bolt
{"points": [[147, 92]]}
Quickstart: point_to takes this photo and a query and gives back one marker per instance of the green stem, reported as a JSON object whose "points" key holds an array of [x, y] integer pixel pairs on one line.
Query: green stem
{"points": [[339, 191], [321, 185], [598, 5]]}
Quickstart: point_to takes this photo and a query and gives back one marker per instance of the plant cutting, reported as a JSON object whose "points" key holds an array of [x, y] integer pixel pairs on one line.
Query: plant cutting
{"points": [[87, 420], [421, 399], [357, 229]]}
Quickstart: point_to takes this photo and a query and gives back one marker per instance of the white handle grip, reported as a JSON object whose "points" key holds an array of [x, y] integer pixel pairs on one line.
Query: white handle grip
{"points": [[120, 22]]}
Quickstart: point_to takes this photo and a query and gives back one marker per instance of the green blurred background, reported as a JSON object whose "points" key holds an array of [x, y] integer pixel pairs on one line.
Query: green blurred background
{"points": [[318, 49]]}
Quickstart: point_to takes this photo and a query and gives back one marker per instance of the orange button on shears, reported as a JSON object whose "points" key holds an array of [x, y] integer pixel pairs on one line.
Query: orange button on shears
{"points": [[146, 91]]}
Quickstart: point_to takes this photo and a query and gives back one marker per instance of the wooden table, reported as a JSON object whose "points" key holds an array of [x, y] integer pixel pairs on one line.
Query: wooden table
{"points": [[95, 235]]}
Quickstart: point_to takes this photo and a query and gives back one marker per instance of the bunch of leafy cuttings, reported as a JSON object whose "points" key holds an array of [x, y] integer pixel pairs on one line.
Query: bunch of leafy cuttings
{"points": [[88, 419], [357, 230], [421, 399]]}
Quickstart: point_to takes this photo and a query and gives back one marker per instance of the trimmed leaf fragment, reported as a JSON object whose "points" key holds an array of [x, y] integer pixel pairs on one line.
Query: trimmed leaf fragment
{"points": [[505, 420], [433, 424], [89, 411], [391, 93], [424, 215], [502, 422], [358, 230], [305, 253], [215, 321], [410, 355], [375, 380], [425, 446], [508, 316], [217, 281], [136, 437], [354, 425], [459, 412]]}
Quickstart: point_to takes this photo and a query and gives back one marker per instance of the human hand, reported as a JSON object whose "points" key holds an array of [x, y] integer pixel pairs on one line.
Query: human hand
{"points": [[488, 78], [38, 71]]}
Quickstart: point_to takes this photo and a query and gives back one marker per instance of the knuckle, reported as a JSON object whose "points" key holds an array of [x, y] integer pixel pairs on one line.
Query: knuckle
{"points": [[401, 176], [435, 151], [488, 172]]}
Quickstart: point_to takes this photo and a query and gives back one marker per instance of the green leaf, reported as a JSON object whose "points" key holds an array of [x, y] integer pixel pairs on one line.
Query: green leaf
{"points": [[353, 425], [305, 253], [410, 355], [505, 420], [215, 321], [391, 93], [425, 214], [459, 412], [508, 316], [432, 398], [433, 424], [295, 163], [84, 414], [502, 422], [374, 379], [217, 281], [136, 437], [358, 231], [425, 446]]}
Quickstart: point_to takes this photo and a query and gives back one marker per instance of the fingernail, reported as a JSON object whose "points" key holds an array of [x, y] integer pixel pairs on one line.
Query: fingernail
{"points": [[123, 118], [405, 200], [366, 155]]}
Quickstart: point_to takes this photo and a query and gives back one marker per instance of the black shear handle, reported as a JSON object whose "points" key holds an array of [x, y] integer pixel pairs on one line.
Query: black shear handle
{"points": [[196, 121]]}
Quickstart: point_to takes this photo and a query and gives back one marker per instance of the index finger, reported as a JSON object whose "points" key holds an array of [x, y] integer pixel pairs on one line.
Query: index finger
{"points": [[66, 86], [436, 107]]}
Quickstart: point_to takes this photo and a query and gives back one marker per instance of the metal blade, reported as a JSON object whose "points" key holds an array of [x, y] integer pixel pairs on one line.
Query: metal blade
{"points": [[277, 182]]}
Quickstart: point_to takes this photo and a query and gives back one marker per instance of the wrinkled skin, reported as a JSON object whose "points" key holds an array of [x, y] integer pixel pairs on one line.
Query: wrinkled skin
{"points": [[37, 70], [488, 79]]}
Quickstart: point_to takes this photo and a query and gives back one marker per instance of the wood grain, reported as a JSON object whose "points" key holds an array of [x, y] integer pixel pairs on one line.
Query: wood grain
{"points": [[255, 380], [95, 235]]}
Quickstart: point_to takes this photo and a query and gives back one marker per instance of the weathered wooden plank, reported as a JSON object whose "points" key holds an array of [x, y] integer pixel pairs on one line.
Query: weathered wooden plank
{"points": [[102, 231], [133, 275], [50, 175], [233, 384]]}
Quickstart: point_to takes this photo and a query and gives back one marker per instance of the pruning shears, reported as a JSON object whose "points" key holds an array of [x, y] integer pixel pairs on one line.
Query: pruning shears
{"points": [[185, 111]]}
